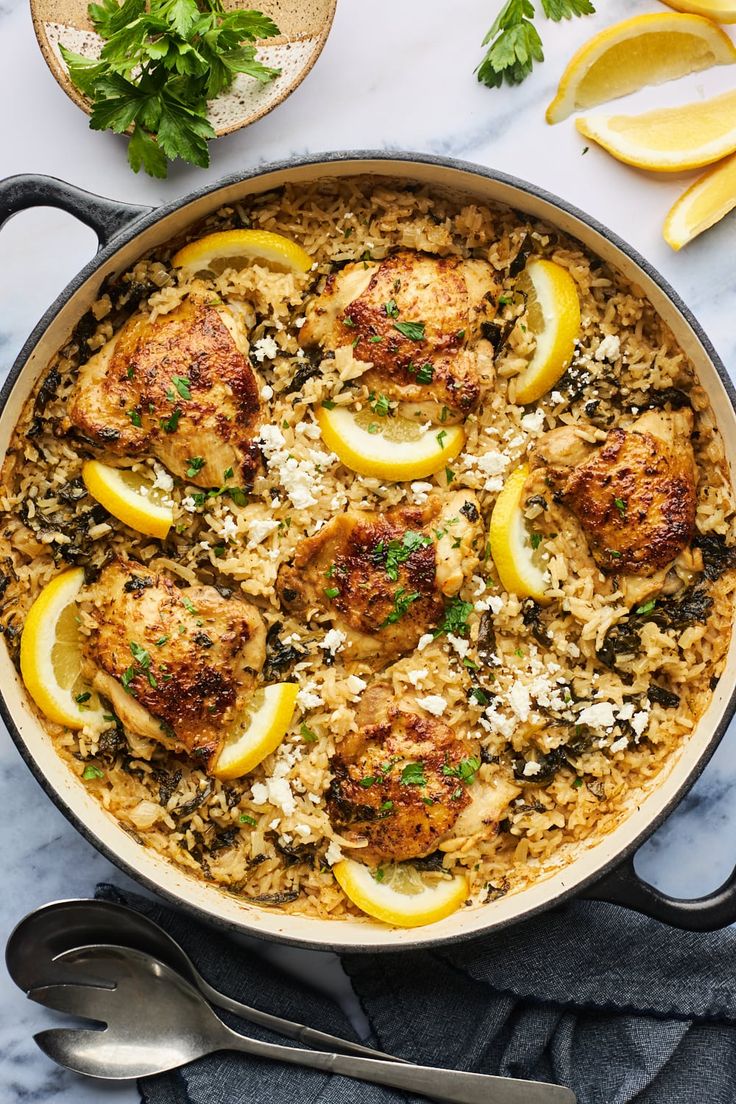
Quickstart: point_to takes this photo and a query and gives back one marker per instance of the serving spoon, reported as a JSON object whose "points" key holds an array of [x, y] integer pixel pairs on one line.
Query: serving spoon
{"points": [[156, 1021], [35, 944]]}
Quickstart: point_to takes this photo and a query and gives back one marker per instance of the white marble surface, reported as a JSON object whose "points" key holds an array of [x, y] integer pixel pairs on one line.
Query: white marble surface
{"points": [[396, 76]]}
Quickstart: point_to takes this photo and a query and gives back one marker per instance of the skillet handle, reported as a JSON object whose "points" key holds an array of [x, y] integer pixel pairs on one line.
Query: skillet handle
{"points": [[623, 886], [107, 217]]}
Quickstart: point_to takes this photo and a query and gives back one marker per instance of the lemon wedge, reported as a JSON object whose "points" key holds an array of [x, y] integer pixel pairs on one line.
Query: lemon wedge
{"points": [[268, 719], [720, 11], [647, 49], [671, 139], [392, 448], [401, 897], [129, 497], [51, 657], [238, 248], [705, 203], [511, 546], [553, 316]]}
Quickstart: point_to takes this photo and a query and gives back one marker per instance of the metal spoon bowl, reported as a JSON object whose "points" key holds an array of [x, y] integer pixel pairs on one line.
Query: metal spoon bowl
{"points": [[153, 1020], [35, 944]]}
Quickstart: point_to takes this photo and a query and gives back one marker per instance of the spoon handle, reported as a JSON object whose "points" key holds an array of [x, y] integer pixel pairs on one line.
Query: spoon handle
{"points": [[292, 1030], [450, 1086]]}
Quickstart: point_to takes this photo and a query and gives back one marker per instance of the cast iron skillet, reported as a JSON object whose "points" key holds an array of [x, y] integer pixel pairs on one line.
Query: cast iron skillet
{"points": [[127, 230]]}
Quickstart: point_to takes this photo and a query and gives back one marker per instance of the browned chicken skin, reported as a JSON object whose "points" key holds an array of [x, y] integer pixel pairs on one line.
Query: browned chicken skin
{"points": [[446, 298], [381, 577], [397, 784], [634, 496], [179, 388], [177, 663]]}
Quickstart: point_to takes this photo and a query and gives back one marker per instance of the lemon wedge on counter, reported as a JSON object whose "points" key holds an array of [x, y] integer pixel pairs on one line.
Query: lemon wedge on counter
{"points": [[51, 656], [671, 139], [647, 49], [705, 203], [129, 497], [387, 447], [720, 11], [268, 720], [401, 897], [238, 248], [511, 547], [553, 316]]}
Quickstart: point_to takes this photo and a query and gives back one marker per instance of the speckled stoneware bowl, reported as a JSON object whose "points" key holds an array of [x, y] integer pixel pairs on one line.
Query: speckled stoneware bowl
{"points": [[304, 25]]}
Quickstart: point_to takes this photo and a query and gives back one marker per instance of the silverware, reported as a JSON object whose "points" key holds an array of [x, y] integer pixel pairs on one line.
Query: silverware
{"points": [[42, 935], [156, 1021]]}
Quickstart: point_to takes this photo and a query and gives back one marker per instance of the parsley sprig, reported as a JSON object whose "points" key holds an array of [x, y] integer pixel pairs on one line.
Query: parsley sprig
{"points": [[514, 43], [161, 62]]}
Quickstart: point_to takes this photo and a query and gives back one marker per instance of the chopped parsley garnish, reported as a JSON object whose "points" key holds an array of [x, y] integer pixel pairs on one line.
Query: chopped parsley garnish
{"points": [[402, 601], [195, 465], [140, 655], [449, 475], [478, 694], [465, 770], [332, 592], [614, 553], [535, 540], [328, 404], [413, 775], [425, 374], [381, 406], [504, 300], [246, 818], [620, 506], [386, 807], [219, 551], [170, 424], [135, 418], [647, 607], [398, 552], [379, 874], [373, 428], [455, 620], [188, 604], [161, 641], [307, 735], [228, 473], [330, 571], [413, 330], [441, 438], [368, 781], [348, 321], [392, 311], [375, 339], [92, 772], [80, 699], [182, 385], [577, 783]]}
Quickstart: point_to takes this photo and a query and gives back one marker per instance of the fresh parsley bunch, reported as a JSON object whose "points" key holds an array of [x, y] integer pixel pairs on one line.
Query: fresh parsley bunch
{"points": [[515, 43], [161, 62]]}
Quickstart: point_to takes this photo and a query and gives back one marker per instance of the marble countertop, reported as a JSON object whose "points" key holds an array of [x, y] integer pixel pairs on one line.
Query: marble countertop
{"points": [[396, 76]]}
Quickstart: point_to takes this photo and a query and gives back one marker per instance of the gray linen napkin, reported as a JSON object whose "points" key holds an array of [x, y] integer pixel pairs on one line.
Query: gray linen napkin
{"points": [[618, 1007]]}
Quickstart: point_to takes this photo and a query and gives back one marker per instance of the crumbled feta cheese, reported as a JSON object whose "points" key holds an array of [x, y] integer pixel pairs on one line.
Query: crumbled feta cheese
{"points": [[639, 722], [480, 585], [620, 744], [355, 684], [266, 392], [271, 440], [308, 429], [306, 698], [275, 823], [424, 641], [259, 793], [534, 422], [626, 712], [461, 646], [557, 397], [259, 529], [498, 722], [303, 830], [205, 545], [520, 701], [163, 481], [417, 676], [280, 795], [229, 528], [433, 703], [599, 715], [299, 322], [264, 348], [492, 465], [421, 492], [531, 768], [609, 348], [333, 854], [495, 603], [297, 477], [333, 641], [189, 504]]}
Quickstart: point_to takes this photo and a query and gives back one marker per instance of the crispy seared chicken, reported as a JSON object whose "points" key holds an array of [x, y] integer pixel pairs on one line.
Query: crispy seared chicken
{"points": [[177, 664], [381, 577], [397, 783], [634, 496], [181, 388], [415, 319]]}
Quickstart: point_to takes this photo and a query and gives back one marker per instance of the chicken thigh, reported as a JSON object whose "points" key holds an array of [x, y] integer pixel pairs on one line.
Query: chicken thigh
{"points": [[180, 388], [634, 496], [177, 664], [382, 577], [414, 319]]}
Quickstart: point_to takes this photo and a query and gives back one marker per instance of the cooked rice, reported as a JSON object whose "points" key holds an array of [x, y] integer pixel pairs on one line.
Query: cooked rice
{"points": [[267, 837]]}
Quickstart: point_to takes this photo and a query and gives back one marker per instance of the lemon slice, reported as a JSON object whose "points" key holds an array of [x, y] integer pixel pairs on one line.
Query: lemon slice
{"points": [[705, 203], [671, 139], [721, 11], [129, 497], [553, 316], [268, 719], [648, 49], [511, 546], [392, 448], [238, 248], [402, 897], [51, 658]]}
